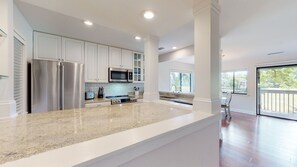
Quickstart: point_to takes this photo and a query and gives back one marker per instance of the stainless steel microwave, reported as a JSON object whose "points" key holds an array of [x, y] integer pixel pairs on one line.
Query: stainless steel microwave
{"points": [[120, 75]]}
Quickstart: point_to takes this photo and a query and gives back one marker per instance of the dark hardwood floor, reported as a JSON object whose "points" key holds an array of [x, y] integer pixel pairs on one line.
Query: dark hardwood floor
{"points": [[258, 141]]}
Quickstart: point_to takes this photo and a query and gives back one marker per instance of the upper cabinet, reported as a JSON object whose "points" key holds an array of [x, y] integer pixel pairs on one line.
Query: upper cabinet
{"points": [[138, 69], [115, 57], [127, 59], [53, 47], [91, 62], [47, 46], [120, 58], [103, 63], [96, 63], [72, 50]]}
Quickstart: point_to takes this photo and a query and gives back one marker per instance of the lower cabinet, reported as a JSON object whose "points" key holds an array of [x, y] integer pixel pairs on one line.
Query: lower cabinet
{"points": [[96, 63], [90, 105]]}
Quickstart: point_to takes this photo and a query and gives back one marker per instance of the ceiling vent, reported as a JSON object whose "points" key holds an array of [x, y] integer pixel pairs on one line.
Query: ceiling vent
{"points": [[161, 48], [274, 53]]}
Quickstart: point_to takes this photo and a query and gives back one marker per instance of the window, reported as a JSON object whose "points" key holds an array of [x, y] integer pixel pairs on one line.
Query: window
{"points": [[180, 82], [235, 82]]}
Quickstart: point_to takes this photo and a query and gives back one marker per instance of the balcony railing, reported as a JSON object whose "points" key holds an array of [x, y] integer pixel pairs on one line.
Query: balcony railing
{"points": [[278, 100]]}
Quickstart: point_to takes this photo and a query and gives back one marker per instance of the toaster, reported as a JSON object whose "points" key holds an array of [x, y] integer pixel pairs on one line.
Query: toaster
{"points": [[89, 95]]}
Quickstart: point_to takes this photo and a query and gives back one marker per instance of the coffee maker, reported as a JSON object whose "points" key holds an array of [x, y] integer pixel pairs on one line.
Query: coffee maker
{"points": [[101, 92]]}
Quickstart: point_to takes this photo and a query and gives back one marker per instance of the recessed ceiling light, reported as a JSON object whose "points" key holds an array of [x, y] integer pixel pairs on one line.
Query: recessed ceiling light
{"points": [[174, 47], [138, 38], [88, 23], [148, 14]]}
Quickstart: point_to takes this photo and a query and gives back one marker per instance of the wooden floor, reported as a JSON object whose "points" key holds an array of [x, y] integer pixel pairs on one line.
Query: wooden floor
{"points": [[258, 141]]}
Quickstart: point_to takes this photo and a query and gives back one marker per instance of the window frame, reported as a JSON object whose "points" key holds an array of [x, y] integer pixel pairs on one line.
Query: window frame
{"points": [[233, 81], [180, 80]]}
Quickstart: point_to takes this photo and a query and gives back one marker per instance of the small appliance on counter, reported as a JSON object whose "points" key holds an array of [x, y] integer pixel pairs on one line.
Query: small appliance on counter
{"points": [[89, 95], [101, 92]]}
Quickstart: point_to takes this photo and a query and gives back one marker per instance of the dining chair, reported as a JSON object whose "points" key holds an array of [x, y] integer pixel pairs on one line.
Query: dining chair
{"points": [[226, 104]]}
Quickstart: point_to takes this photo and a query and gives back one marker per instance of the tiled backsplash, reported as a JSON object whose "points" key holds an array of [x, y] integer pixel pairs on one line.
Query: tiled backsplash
{"points": [[112, 89]]}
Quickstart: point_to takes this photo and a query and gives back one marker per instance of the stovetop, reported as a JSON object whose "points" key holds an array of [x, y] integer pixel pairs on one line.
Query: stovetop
{"points": [[118, 97], [121, 99]]}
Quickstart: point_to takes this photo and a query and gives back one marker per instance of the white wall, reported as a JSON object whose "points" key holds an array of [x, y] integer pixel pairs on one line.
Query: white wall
{"points": [[7, 103], [171, 66], [24, 32], [179, 54], [247, 103]]}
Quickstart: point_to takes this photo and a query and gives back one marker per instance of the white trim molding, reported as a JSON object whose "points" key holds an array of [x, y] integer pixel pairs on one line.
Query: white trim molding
{"points": [[7, 109]]}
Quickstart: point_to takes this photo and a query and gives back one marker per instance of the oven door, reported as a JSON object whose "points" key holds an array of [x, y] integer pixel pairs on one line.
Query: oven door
{"points": [[118, 75]]}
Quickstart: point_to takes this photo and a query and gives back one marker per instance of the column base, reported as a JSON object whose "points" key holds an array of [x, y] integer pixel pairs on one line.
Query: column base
{"points": [[212, 106], [151, 96], [8, 109]]}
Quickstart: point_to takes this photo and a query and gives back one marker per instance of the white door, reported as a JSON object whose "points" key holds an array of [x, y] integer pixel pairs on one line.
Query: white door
{"points": [[91, 62], [46, 46], [72, 50], [115, 57], [103, 63], [127, 59]]}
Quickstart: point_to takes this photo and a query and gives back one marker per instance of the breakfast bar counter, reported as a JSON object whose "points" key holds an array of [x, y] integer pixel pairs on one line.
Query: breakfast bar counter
{"points": [[24, 138]]}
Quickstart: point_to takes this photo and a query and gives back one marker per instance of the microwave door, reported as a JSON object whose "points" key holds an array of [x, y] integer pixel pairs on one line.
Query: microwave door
{"points": [[116, 75]]}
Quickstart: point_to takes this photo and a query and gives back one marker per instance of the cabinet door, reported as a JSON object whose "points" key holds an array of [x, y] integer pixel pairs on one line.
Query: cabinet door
{"points": [[127, 59], [103, 63], [47, 47], [115, 57], [91, 62], [72, 50], [138, 69]]}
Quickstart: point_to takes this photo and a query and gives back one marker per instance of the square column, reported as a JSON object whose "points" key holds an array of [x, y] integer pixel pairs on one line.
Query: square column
{"points": [[151, 84], [207, 56]]}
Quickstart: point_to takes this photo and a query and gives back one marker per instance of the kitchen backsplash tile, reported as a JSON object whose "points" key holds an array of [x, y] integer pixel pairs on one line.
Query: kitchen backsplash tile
{"points": [[112, 89]]}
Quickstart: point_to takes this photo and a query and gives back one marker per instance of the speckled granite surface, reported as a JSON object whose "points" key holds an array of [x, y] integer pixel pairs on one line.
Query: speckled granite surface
{"points": [[27, 135]]}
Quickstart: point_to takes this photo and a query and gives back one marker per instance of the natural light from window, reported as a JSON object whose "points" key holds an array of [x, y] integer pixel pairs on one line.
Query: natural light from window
{"points": [[235, 82], [180, 82]]}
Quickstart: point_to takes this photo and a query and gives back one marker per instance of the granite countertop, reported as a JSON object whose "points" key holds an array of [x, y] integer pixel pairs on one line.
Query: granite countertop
{"points": [[31, 134]]}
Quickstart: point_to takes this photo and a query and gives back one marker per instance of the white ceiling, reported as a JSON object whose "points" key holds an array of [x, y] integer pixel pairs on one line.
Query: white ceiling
{"points": [[248, 27], [116, 22]]}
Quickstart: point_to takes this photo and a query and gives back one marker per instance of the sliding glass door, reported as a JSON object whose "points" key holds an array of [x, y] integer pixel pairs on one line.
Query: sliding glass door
{"points": [[277, 91]]}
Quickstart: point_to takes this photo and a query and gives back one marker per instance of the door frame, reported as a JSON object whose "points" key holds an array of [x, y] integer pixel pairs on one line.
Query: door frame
{"points": [[258, 109]]}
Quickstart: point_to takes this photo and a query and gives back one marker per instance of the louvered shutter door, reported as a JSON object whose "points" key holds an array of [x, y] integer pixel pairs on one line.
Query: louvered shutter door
{"points": [[18, 74]]}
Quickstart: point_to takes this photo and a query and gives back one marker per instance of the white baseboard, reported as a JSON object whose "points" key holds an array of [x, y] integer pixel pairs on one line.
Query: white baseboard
{"points": [[243, 111], [8, 109]]}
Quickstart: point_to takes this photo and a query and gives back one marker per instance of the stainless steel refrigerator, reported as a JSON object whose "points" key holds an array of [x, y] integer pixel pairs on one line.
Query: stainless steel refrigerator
{"points": [[57, 85]]}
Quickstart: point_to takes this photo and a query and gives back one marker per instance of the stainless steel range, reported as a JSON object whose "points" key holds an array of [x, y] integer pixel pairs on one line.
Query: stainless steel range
{"points": [[121, 99]]}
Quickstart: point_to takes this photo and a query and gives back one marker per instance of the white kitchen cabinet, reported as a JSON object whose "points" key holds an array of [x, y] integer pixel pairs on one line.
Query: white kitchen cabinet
{"points": [[103, 63], [138, 67], [120, 58], [72, 50], [96, 63], [127, 59], [53, 47], [115, 57], [91, 62], [47, 46]]}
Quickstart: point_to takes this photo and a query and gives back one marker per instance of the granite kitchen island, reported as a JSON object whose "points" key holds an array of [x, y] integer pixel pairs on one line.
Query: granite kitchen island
{"points": [[43, 138]]}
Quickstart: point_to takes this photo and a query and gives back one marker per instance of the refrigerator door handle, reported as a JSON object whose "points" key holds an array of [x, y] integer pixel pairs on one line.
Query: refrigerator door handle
{"points": [[62, 86], [59, 84]]}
